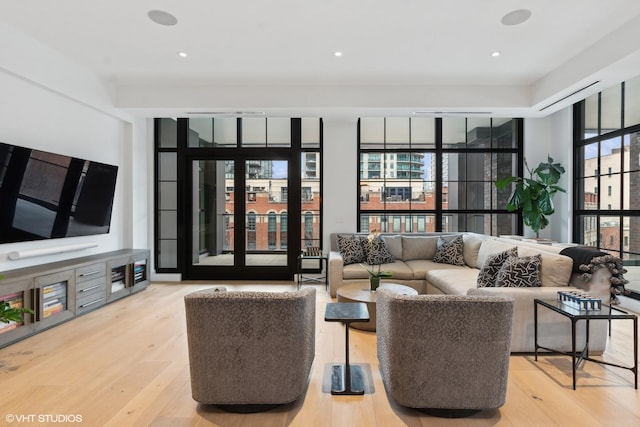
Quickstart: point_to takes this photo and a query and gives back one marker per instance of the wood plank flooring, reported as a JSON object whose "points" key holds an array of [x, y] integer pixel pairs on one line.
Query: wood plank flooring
{"points": [[126, 364]]}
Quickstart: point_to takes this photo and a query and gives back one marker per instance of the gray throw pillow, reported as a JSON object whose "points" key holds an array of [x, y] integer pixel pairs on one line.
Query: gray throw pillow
{"points": [[520, 272], [351, 249], [450, 252], [491, 267]]}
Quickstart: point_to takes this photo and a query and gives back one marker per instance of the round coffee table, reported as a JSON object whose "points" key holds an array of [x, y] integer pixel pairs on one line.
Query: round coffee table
{"points": [[358, 292]]}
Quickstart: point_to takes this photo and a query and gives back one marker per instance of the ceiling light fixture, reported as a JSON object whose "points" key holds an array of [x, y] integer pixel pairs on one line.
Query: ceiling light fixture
{"points": [[495, 54], [337, 54], [182, 54], [162, 18], [516, 17]]}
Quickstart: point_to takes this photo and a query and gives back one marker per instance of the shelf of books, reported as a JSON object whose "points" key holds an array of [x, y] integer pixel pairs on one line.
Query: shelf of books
{"points": [[140, 275], [15, 300], [119, 283], [18, 295], [55, 298]]}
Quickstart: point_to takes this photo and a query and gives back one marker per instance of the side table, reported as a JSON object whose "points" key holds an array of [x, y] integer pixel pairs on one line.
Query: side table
{"points": [[346, 379], [574, 314], [323, 259]]}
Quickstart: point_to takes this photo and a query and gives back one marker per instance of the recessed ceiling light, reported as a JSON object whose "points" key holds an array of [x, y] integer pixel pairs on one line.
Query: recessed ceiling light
{"points": [[161, 17], [337, 54], [516, 17], [495, 54], [182, 54]]}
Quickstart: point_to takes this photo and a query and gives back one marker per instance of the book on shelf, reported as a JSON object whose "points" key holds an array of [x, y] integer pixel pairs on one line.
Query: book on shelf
{"points": [[15, 300], [6, 327], [53, 288], [117, 286], [49, 309], [62, 293]]}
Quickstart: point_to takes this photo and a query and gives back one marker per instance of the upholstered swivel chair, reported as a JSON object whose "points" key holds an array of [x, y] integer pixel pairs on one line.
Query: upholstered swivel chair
{"points": [[445, 354], [250, 351]]}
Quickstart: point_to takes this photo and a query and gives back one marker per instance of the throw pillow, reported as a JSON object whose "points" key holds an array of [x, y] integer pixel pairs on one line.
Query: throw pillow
{"points": [[351, 249], [520, 272], [450, 252], [376, 251], [489, 271]]}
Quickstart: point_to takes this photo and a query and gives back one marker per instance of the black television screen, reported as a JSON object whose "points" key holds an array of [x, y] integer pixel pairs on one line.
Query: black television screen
{"points": [[48, 196]]}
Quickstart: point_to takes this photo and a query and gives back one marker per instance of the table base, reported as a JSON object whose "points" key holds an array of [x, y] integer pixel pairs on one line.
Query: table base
{"points": [[339, 383]]}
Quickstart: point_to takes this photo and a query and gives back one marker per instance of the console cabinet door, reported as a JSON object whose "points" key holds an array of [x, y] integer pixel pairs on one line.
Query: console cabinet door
{"points": [[140, 272], [18, 294], [118, 278], [55, 298]]}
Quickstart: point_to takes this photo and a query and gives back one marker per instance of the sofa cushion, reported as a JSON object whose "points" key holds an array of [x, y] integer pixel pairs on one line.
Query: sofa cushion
{"points": [[452, 279], [450, 252], [470, 250], [394, 244], [491, 267], [418, 247], [520, 272], [398, 269], [490, 247], [351, 249], [376, 251], [555, 269]]}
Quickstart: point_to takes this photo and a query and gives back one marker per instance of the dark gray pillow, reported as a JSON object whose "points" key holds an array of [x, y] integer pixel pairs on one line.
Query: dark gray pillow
{"points": [[351, 249], [489, 271], [450, 252], [520, 272], [376, 251]]}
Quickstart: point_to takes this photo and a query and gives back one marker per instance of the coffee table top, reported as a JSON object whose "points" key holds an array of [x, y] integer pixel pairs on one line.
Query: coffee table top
{"points": [[362, 292]]}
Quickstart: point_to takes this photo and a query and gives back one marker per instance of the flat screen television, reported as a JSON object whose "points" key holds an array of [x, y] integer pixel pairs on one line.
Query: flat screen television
{"points": [[49, 196]]}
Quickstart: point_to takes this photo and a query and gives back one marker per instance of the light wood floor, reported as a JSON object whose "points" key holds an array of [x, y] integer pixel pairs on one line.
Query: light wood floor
{"points": [[126, 364]]}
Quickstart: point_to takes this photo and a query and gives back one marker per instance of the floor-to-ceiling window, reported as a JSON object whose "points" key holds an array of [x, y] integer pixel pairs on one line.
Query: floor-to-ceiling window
{"points": [[424, 174], [226, 190], [607, 175]]}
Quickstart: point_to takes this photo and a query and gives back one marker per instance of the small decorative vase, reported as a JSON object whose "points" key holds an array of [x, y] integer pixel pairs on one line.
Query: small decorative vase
{"points": [[374, 282]]}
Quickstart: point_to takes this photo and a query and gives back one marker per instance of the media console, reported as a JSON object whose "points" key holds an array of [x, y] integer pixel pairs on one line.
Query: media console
{"points": [[62, 290]]}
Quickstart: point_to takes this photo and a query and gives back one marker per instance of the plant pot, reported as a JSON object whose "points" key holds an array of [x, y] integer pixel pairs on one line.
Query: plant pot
{"points": [[374, 282]]}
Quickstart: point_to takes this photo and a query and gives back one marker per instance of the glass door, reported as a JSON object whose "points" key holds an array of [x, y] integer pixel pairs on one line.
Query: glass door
{"points": [[239, 219], [266, 188]]}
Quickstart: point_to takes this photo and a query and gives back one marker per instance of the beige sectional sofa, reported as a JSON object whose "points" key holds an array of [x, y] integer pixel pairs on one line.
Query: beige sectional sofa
{"points": [[414, 266]]}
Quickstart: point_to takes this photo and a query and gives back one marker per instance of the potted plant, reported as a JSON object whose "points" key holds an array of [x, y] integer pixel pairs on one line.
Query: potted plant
{"points": [[534, 195], [374, 275]]}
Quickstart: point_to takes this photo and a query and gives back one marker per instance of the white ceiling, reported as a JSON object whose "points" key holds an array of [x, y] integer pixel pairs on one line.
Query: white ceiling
{"points": [[436, 52]]}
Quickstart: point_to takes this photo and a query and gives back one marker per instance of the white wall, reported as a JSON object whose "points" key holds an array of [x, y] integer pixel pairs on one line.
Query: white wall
{"points": [[50, 104], [552, 136], [340, 177]]}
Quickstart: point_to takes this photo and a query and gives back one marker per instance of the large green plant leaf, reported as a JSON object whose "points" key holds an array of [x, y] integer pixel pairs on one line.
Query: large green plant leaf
{"points": [[534, 195]]}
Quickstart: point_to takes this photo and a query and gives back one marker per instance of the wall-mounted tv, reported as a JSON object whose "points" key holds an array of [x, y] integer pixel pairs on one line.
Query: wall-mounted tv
{"points": [[49, 196]]}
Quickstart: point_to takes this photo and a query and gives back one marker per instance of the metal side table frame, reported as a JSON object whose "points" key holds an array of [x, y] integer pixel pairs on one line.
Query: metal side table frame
{"points": [[346, 379], [575, 315]]}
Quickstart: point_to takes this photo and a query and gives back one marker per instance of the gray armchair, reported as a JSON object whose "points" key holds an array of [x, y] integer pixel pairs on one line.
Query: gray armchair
{"points": [[445, 354], [250, 351]]}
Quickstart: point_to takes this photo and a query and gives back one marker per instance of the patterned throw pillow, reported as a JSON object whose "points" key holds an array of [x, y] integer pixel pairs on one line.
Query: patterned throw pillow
{"points": [[351, 249], [489, 271], [450, 252], [520, 272], [376, 251]]}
